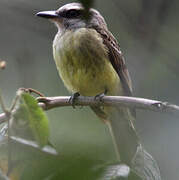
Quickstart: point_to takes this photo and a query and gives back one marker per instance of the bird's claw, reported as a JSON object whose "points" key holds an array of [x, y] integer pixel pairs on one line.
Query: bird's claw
{"points": [[73, 98], [100, 96]]}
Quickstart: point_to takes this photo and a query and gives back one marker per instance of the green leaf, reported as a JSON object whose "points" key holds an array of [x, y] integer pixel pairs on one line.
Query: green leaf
{"points": [[30, 121]]}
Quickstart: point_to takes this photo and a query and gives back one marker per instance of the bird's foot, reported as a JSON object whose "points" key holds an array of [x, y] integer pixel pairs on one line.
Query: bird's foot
{"points": [[73, 98], [100, 96]]}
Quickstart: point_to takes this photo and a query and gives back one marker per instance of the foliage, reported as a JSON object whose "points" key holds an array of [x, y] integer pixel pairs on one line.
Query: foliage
{"points": [[19, 155], [32, 118], [148, 36]]}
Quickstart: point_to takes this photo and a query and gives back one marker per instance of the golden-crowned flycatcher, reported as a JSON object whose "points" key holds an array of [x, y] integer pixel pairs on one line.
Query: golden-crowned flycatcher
{"points": [[90, 62]]}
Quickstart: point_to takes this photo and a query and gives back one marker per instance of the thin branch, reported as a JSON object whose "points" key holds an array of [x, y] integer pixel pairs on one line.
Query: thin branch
{"points": [[2, 105], [139, 103], [8, 116], [48, 103]]}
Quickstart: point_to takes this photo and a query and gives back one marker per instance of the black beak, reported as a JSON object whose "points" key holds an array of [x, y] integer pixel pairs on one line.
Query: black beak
{"points": [[47, 14]]}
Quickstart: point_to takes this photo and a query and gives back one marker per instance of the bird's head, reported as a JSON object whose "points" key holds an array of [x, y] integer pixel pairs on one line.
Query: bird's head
{"points": [[72, 16]]}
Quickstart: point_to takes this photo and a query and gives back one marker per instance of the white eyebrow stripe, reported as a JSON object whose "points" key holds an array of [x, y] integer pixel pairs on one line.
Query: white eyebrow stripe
{"points": [[71, 6]]}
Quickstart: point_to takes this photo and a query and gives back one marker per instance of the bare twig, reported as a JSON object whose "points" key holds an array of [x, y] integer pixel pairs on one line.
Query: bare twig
{"points": [[139, 103], [30, 90], [48, 103], [8, 116], [2, 105]]}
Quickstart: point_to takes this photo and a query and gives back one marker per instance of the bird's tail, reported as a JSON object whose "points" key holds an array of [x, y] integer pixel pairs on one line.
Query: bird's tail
{"points": [[128, 147], [126, 142], [124, 136]]}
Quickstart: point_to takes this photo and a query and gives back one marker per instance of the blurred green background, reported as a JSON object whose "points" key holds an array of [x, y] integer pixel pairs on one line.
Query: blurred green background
{"points": [[148, 35]]}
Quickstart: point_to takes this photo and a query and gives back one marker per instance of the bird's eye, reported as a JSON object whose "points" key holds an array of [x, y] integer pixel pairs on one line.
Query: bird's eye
{"points": [[73, 13]]}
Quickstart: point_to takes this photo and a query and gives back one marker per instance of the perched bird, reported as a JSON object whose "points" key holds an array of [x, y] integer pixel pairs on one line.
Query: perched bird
{"points": [[90, 62]]}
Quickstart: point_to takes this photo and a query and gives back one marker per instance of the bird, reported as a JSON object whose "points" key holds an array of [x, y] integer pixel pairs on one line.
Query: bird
{"points": [[90, 63]]}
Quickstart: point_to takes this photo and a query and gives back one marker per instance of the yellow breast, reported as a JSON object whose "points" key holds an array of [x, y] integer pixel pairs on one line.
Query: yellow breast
{"points": [[82, 61]]}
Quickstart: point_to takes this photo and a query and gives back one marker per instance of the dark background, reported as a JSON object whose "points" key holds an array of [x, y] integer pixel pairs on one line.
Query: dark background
{"points": [[148, 35]]}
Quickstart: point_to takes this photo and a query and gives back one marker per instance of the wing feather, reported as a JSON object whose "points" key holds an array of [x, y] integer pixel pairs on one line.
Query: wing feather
{"points": [[117, 60]]}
